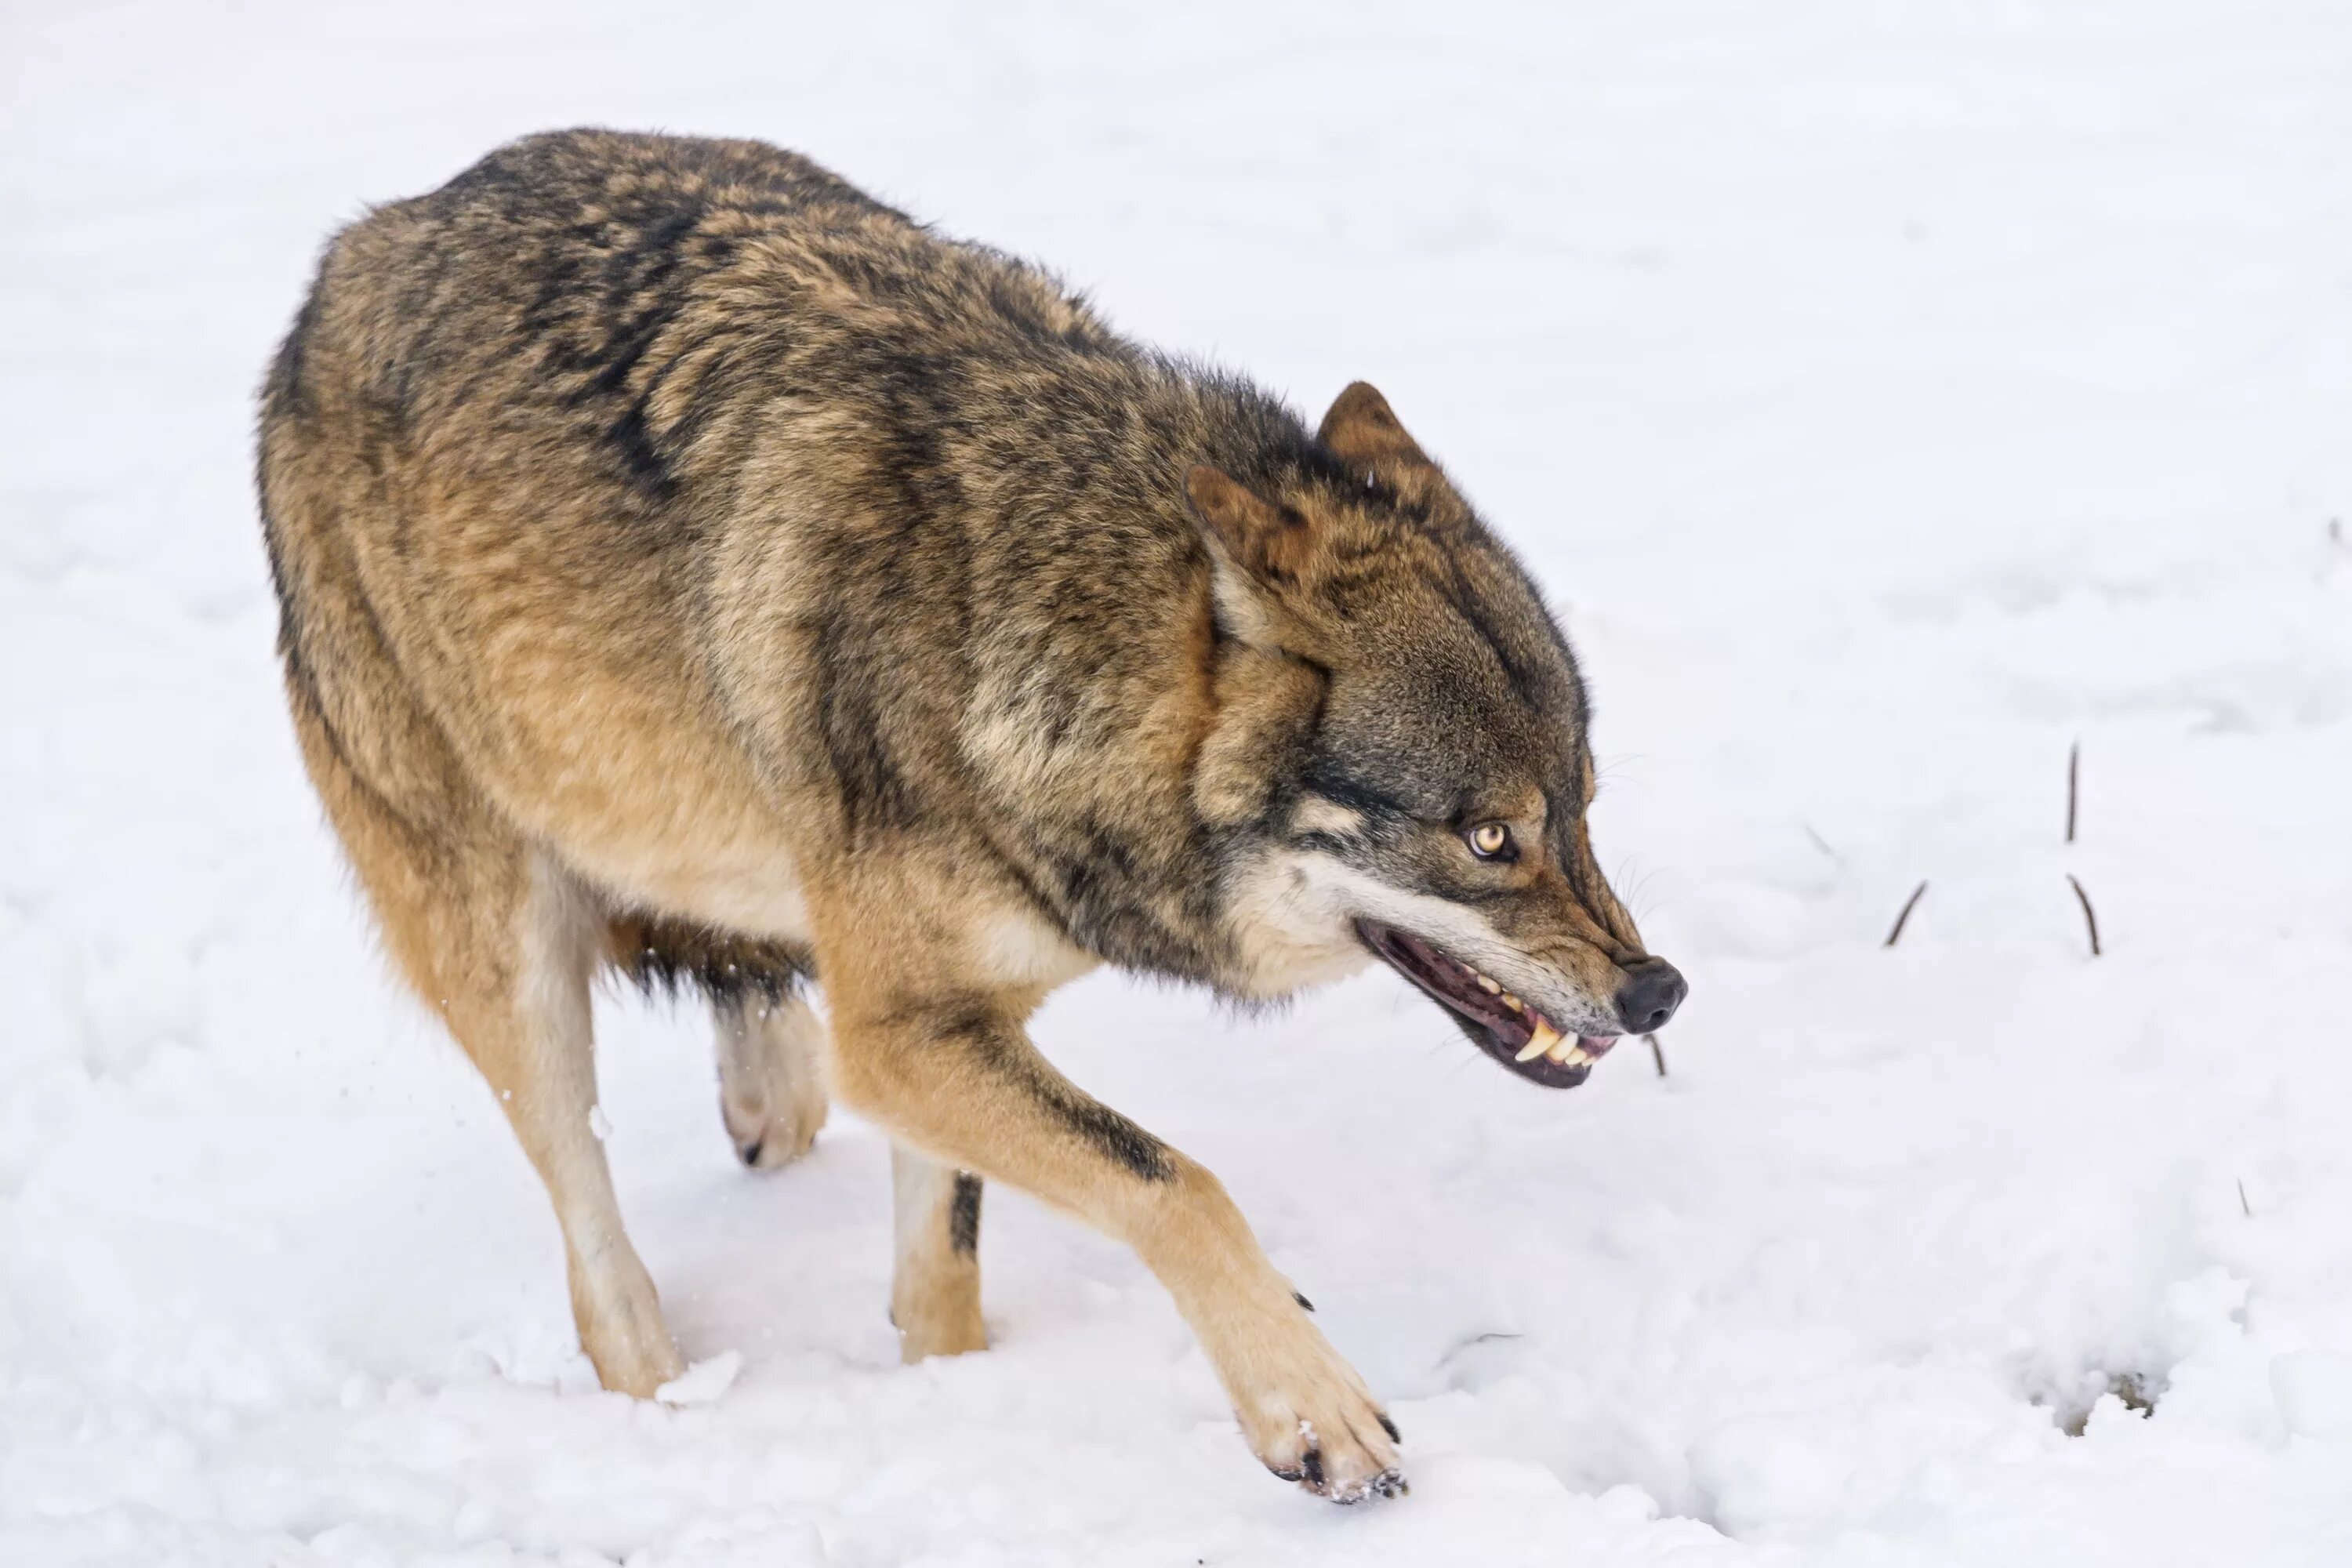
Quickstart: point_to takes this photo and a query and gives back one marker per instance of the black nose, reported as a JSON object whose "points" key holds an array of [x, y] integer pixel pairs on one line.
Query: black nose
{"points": [[1653, 989]]}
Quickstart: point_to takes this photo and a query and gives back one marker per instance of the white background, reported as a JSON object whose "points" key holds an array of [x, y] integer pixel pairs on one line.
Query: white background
{"points": [[1886, 395]]}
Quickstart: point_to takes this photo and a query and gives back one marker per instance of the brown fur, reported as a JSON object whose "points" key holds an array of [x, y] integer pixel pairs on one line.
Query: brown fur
{"points": [[691, 565]]}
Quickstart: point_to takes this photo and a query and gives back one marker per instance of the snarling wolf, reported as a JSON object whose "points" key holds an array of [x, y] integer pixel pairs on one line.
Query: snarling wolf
{"points": [[690, 566]]}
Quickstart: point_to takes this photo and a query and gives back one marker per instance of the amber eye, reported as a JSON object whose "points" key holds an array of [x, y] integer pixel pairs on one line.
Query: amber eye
{"points": [[1490, 840]]}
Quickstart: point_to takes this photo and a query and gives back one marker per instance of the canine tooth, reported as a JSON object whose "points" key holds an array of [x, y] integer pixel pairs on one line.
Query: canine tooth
{"points": [[1535, 1048], [1543, 1042]]}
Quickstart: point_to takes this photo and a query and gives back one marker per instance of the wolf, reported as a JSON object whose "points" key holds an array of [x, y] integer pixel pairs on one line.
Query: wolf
{"points": [[692, 567]]}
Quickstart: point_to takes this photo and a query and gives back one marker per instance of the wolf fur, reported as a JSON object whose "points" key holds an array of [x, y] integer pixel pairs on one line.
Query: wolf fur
{"points": [[692, 566]]}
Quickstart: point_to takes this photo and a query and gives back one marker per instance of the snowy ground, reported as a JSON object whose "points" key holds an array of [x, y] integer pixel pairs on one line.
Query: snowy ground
{"points": [[1891, 395]]}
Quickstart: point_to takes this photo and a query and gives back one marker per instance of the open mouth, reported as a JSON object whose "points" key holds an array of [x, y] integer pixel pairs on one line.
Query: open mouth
{"points": [[1505, 1027]]}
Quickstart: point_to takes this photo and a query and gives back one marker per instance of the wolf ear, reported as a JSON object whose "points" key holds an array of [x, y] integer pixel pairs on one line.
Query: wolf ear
{"points": [[1363, 432], [1256, 549]]}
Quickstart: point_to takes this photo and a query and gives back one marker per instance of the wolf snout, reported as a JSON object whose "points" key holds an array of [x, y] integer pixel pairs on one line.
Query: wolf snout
{"points": [[1653, 989]]}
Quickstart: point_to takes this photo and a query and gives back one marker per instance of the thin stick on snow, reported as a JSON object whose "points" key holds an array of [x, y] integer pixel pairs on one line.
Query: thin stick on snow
{"points": [[2089, 919], [2074, 780], [1908, 905], [1657, 1055], [1822, 843], [1490, 1337], [2241, 1198]]}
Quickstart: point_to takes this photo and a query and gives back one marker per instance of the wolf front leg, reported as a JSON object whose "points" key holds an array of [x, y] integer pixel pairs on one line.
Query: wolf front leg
{"points": [[951, 1073], [935, 1288]]}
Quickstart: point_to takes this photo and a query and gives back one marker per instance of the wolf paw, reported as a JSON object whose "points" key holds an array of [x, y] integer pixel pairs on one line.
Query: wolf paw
{"points": [[1310, 1419], [620, 1322], [771, 1130], [949, 1324], [770, 1087]]}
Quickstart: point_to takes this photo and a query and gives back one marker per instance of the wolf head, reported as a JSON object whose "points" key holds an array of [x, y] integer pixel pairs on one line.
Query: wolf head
{"points": [[1434, 770]]}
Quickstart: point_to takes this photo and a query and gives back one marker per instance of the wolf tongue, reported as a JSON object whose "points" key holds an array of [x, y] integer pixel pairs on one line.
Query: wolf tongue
{"points": [[1542, 1040]]}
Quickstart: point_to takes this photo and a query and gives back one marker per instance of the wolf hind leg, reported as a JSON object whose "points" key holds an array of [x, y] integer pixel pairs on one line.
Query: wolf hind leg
{"points": [[935, 1286], [536, 1052], [771, 1076], [771, 1042], [501, 941]]}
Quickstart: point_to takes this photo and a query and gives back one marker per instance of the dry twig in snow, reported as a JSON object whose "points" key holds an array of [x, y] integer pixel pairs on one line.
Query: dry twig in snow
{"points": [[2073, 780], [1907, 905], [2089, 919]]}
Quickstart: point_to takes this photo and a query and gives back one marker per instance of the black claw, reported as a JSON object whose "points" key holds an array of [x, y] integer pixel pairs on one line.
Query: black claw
{"points": [[751, 1152], [1311, 1465], [1302, 1300], [1389, 1426], [1283, 1475]]}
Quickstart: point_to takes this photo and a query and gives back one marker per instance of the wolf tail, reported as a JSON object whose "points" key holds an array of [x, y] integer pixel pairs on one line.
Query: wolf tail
{"points": [[664, 957]]}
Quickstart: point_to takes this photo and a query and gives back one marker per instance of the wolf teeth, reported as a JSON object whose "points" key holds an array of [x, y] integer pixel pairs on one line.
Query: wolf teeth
{"points": [[1492, 987], [1583, 1049], [1512, 1003], [1543, 1043]]}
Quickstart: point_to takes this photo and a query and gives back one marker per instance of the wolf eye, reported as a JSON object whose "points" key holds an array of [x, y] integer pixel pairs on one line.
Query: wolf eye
{"points": [[1489, 841]]}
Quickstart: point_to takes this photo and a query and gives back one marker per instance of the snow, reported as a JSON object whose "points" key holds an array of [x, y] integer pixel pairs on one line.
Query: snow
{"points": [[704, 1382], [1888, 397]]}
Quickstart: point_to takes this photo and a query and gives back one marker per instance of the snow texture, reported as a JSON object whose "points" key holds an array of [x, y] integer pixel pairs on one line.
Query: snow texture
{"points": [[1886, 396]]}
